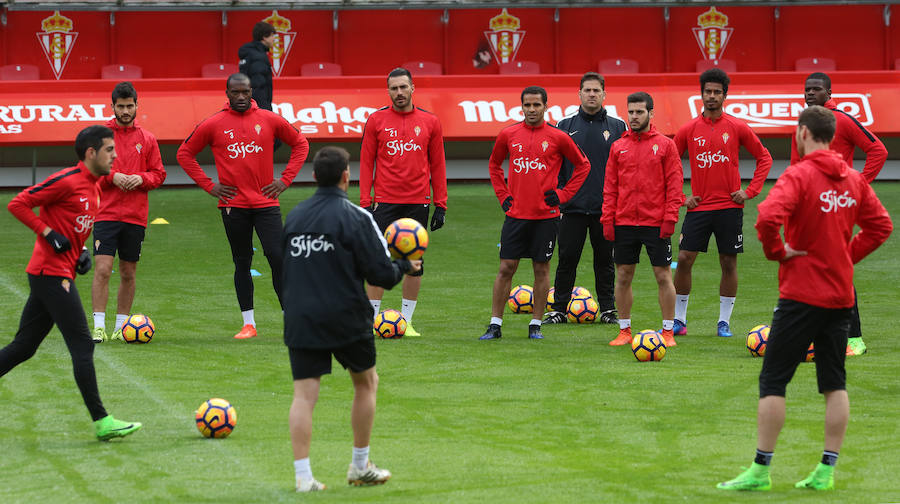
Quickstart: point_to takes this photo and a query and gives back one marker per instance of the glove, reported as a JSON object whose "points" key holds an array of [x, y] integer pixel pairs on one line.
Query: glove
{"points": [[609, 232], [59, 242], [507, 204], [84, 263], [437, 220], [666, 230], [551, 198]]}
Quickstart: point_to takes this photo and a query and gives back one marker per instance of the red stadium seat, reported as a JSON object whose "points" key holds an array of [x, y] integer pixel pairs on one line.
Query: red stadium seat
{"points": [[520, 67], [19, 72], [218, 70], [725, 64], [815, 65], [618, 66], [897, 64], [121, 72], [423, 68], [320, 69]]}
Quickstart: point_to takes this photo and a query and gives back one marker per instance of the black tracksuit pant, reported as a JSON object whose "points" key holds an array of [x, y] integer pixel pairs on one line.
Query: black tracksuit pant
{"points": [[572, 230]]}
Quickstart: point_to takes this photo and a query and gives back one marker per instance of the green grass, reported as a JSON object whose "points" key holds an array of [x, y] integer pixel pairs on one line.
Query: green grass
{"points": [[567, 419]]}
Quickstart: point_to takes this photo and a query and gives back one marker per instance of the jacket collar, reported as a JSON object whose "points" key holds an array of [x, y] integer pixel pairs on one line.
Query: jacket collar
{"points": [[641, 136], [87, 173], [253, 107], [113, 125], [332, 191], [533, 128], [830, 104], [599, 116]]}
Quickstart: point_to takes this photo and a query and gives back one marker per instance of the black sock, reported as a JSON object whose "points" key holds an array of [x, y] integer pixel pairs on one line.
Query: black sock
{"points": [[829, 457], [763, 457]]}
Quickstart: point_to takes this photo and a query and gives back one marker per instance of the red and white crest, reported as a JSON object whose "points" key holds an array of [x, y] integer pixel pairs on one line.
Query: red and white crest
{"points": [[544, 145], [138, 147], [504, 37], [56, 39], [655, 148], [258, 128], [712, 33], [417, 130], [725, 137], [284, 40]]}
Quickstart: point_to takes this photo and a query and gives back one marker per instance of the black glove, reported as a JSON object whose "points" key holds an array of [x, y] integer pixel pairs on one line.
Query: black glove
{"points": [[507, 204], [437, 220], [551, 198], [404, 265], [59, 242], [84, 263]]}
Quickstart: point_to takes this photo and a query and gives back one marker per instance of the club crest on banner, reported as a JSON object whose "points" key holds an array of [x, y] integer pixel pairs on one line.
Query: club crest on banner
{"points": [[56, 39], [712, 33], [504, 37], [284, 40]]}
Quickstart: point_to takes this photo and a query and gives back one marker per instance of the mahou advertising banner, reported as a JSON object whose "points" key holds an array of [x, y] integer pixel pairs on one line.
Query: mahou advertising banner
{"points": [[469, 107]]}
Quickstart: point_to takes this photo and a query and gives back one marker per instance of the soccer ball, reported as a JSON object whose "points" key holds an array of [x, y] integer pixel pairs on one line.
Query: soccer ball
{"points": [[521, 299], [810, 354], [138, 329], [406, 239], [757, 339], [580, 292], [582, 310], [216, 418], [390, 324], [648, 346], [551, 297]]}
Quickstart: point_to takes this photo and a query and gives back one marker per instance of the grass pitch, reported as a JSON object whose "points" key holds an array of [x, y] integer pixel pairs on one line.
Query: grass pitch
{"points": [[566, 419]]}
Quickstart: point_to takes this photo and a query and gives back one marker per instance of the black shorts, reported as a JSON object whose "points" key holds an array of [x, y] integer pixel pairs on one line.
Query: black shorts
{"points": [[386, 213], [314, 362], [110, 236], [727, 224], [526, 238], [794, 326], [629, 239]]}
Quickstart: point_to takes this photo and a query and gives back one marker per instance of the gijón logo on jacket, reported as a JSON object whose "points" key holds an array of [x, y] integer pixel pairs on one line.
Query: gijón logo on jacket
{"points": [[303, 245]]}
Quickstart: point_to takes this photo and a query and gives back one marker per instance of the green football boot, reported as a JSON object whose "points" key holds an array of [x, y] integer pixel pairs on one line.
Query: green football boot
{"points": [[410, 332], [822, 478], [108, 427], [99, 335], [855, 346], [117, 335], [756, 478]]}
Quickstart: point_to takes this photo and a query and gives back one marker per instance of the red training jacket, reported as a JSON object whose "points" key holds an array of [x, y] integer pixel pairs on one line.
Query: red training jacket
{"points": [[535, 157], [848, 135], [713, 148], [242, 148], [69, 201], [137, 152], [403, 154], [643, 181], [818, 201]]}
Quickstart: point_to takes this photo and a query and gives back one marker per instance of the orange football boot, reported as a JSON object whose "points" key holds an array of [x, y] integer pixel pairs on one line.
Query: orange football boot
{"points": [[668, 337], [624, 337], [247, 332]]}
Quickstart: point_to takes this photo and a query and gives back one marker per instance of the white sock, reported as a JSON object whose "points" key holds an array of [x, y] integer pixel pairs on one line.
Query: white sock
{"points": [[726, 306], [302, 470], [624, 323], [535, 321], [376, 307], [668, 325], [681, 302], [120, 320], [497, 320], [407, 307], [99, 320], [248, 317], [360, 457]]}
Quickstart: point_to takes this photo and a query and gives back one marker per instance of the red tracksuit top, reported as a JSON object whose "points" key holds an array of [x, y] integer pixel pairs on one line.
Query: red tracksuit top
{"points": [[643, 181], [69, 201], [137, 152], [818, 201], [242, 148], [535, 157], [403, 154], [849, 134], [713, 148]]}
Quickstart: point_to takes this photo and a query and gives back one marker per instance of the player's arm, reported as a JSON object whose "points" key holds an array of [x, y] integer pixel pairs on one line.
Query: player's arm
{"points": [[565, 171], [610, 188], [368, 152], [876, 153], [22, 205], [495, 168], [372, 258], [155, 173], [187, 156], [582, 167], [874, 225], [437, 162], [773, 211], [763, 160], [299, 149], [674, 176], [795, 154], [682, 144]]}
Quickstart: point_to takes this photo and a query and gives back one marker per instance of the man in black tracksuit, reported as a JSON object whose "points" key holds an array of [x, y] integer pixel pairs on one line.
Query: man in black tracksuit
{"points": [[331, 247], [594, 131], [254, 63]]}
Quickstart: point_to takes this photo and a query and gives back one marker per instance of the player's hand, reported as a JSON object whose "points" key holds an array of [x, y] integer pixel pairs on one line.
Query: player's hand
{"points": [[609, 232], [133, 182], [437, 220], [739, 196], [120, 180], [692, 202], [84, 263], [666, 230], [551, 198], [59, 242], [414, 266], [223, 192], [790, 253], [274, 189], [507, 203]]}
